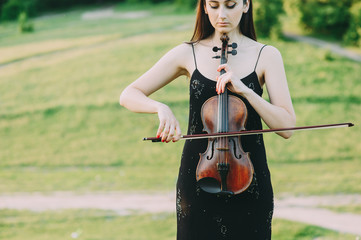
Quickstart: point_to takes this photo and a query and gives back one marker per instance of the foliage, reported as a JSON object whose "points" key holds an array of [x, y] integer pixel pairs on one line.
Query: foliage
{"points": [[186, 4], [12, 9], [326, 16], [353, 34], [147, 1], [24, 24], [267, 17]]}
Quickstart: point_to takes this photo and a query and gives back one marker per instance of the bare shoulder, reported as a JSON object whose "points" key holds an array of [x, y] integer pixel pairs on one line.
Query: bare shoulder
{"points": [[270, 65], [271, 54], [270, 57], [181, 51], [181, 56], [267, 52]]}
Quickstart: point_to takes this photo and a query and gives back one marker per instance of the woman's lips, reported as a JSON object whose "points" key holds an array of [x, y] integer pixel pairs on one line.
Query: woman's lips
{"points": [[223, 24]]}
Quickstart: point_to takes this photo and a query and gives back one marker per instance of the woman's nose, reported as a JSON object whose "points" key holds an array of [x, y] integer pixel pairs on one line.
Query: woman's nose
{"points": [[222, 12]]}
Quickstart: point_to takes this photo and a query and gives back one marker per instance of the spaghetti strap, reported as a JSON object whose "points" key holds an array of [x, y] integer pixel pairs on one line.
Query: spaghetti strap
{"points": [[259, 56], [194, 55]]}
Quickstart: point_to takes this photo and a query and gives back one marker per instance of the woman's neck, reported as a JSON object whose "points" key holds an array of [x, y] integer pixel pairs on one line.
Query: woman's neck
{"points": [[234, 36]]}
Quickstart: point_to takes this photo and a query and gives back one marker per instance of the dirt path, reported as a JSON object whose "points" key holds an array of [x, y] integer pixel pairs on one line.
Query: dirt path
{"points": [[301, 209], [335, 48], [110, 13]]}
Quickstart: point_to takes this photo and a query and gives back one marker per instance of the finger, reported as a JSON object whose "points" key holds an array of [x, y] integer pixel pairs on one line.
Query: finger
{"points": [[178, 134], [222, 81], [171, 133], [165, 132], [160, 128], [223, 85], [217, 85], [222, 66]]}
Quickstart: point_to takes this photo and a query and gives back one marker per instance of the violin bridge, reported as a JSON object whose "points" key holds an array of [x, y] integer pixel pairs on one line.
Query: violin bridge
{"points": [[223, 149]]}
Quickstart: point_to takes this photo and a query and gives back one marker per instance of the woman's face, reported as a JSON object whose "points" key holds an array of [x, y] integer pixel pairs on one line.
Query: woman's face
{"points": [[225, 15]]}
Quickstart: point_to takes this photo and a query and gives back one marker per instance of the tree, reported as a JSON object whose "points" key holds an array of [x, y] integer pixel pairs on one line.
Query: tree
{"points": [[267, 17]]}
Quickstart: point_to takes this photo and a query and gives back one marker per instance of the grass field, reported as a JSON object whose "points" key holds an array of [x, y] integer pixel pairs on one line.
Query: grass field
{"points": [[62, 129]]}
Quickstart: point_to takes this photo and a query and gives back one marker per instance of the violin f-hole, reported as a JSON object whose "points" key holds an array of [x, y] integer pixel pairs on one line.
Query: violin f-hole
{"points": [[213, 143], [237, 155]]}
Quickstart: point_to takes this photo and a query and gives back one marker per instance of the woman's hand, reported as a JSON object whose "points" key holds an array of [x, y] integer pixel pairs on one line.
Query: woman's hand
{"points": [[235, 84], [169, 129]]}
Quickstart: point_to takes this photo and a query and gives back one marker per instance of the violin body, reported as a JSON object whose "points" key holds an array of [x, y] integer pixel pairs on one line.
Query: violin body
{"points": [[224, 168], [226, 151]]}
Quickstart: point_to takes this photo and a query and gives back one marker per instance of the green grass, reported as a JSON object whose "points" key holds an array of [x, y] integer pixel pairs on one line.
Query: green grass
{"points": [[85, 224], [287, 230], [107, 225], [351, 208], [59, 112], [62, 113]]}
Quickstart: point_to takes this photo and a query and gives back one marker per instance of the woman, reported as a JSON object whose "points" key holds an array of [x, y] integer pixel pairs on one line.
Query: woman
{"points": [[201, 215]]}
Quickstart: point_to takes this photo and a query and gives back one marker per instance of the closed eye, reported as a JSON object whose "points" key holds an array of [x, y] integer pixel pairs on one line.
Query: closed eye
{"points": [[231, 4], [214, 5]]}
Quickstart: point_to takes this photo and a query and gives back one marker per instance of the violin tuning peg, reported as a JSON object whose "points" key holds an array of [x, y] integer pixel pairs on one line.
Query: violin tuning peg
{"points": [[233, 45], [216, 57], [233, 52], [215, 49]]}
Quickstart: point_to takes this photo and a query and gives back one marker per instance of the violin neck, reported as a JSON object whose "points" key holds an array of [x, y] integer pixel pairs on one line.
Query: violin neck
{"points": [[223, 112], [223, 97]]}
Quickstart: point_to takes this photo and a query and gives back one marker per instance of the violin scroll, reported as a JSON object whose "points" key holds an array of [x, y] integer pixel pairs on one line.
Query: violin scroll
{"points": [[228, 51]]}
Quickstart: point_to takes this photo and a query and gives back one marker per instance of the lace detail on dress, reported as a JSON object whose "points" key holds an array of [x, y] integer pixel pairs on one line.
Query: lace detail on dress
{"points": [[193, 126], [253, 188], [251, 86], [222, 227], [181, 205], [197, 87]]}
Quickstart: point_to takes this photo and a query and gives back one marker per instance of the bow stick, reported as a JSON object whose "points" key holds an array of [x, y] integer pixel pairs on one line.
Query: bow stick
{"points": [[253, 132]]}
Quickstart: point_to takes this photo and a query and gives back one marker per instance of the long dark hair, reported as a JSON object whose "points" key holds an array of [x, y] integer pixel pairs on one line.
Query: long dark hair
{"points": [[203, 27]]}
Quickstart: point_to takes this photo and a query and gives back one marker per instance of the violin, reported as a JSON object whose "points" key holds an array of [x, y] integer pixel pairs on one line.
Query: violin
{"points": [[224, 168]]}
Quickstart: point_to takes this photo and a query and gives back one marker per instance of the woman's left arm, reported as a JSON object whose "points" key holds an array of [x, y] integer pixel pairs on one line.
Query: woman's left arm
{"points": [[279, 112]]}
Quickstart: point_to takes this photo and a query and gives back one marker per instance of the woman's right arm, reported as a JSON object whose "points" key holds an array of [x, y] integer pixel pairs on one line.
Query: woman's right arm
{"points": [[135, 96]]}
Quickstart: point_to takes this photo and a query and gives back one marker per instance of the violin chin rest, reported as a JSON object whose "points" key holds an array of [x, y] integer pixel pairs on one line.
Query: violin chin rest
{"points": [[210, 185]]}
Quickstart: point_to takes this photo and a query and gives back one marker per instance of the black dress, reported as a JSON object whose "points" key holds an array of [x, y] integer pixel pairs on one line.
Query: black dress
{"points": [[205, 216]]}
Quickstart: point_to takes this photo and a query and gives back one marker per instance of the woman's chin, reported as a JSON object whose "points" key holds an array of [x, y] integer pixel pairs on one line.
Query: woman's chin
{"points": [[224, 30]]}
